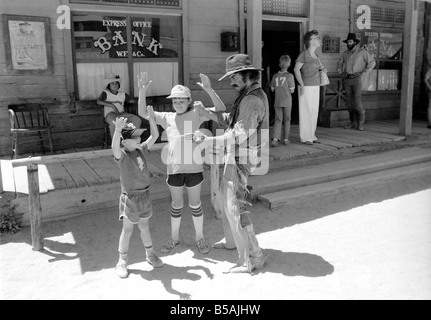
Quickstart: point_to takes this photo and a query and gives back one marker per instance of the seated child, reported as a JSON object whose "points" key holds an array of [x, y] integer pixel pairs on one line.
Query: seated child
{"points": [[113, 99]]}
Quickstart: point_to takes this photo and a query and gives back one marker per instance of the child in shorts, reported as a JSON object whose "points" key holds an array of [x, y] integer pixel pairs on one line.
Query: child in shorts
{"points": [[135, 203], [112, 99], [283, 84], [184, 165]]}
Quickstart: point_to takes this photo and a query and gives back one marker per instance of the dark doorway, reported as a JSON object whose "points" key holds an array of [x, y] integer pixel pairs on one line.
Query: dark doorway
{"points": [[279, 38]]}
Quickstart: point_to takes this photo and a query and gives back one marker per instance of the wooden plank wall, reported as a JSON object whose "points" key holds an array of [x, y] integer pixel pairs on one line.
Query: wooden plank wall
{"points": [[332, 18], [73, 126], [81, 125], [332, 22], [207, 20]]}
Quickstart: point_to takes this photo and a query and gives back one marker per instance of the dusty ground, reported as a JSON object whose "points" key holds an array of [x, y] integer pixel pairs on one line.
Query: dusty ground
{"points": [[362, 244]]}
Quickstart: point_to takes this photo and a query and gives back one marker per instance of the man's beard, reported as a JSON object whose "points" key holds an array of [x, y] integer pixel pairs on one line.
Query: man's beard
{"points": [[351, 46]]}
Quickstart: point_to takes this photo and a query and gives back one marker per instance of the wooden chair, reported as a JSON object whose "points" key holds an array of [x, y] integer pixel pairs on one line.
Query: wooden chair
{"points": [[29, 124]]}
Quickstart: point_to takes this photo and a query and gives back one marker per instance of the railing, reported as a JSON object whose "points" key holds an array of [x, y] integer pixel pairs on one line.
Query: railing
{"points": [[35, 208]]}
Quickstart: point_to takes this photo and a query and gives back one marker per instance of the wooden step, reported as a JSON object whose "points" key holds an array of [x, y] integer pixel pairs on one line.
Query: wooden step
{"points": [[278, 199], [299, 177]]}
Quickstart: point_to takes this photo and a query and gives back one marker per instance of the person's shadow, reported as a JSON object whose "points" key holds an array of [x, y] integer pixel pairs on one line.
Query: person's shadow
{"points": [[169, 273], [294, 264]]}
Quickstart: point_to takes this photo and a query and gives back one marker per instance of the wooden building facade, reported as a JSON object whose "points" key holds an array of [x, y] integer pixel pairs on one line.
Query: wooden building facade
{"points": [[63, 66]]}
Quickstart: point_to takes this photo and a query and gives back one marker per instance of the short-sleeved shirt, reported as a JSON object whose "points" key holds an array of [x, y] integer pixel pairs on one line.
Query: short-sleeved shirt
{"points": [[184, 155], [134, 174], [283, 82], [310, 69]]}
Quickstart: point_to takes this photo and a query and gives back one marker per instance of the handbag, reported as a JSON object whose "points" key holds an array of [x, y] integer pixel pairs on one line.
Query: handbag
{"points": [[324, 79]]}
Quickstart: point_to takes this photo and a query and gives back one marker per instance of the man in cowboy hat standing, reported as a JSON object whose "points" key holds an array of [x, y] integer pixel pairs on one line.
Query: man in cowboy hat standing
{"points": [[246, 124], [353, 64]]}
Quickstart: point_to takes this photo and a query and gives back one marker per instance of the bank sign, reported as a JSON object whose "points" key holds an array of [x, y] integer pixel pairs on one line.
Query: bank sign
{"points": [[144, 39]]}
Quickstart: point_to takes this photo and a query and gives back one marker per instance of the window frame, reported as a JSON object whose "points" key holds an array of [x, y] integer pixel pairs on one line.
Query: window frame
{"points": [[129, 60], [378, 59]]}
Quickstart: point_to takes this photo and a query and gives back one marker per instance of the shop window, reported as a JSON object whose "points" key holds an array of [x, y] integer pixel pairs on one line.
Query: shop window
{"points": [[126, 45], [386, 47]]}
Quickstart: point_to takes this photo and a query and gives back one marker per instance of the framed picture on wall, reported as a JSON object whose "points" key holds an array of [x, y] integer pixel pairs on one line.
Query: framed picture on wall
{"points": [[27, 44]]}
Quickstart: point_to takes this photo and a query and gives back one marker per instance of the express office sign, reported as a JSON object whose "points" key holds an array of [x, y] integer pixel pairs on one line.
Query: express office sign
{"points": [[145, 39]]}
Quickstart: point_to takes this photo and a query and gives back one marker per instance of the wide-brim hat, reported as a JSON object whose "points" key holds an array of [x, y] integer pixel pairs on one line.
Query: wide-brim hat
{"points": [[111, 78], [180, 91], [352, 36], [237, 63], [129, 133]]}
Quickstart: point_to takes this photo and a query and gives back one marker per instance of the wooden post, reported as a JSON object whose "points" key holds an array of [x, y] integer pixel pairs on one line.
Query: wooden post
{"points": [[311, 15], [217, 159], [254, 32], [409, 61], [34, 207], [215, 187]]}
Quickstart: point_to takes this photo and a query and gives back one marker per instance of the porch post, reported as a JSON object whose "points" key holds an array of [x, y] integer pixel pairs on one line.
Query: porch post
{"points": [[34, 207], [408, 77], [254, 32]]}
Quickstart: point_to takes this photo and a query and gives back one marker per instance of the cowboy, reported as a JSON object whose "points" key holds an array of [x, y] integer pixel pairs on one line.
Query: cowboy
{"points": [[354, 63], [248, 120]]}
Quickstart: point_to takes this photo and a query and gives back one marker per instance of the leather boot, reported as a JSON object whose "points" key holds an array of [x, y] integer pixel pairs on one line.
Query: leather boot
{"points": [[361, 120], [352, 124]]}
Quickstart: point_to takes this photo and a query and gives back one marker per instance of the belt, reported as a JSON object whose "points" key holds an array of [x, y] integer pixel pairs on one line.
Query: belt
{"points": [[352, 76]]}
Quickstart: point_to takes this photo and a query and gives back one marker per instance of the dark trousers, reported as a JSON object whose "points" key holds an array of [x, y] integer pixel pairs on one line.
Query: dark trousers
{"points": [[353, 89]]}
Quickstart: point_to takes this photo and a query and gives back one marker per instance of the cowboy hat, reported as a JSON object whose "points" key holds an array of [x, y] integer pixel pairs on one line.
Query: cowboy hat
{"points": [[236, 63], [352, 36], [111, 78]]}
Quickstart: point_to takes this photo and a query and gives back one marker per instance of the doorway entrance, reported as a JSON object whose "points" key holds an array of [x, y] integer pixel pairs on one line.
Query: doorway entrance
{"points": [[279, 38]]}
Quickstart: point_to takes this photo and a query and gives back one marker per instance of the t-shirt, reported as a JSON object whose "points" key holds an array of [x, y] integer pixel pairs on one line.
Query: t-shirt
{"points": [[134, 175], [282, 82], [184, 155], [310, 69], [116, 99]]}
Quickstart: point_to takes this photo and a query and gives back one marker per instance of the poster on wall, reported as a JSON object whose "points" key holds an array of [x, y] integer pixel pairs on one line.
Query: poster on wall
{"points": [[28, 44]]}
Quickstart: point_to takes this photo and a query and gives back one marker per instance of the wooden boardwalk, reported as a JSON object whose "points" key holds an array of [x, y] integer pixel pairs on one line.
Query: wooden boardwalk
{"points": [[80, 186]]}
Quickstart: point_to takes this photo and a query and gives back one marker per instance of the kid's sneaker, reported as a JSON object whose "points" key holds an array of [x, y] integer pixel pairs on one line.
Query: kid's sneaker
{"points": [[203, 247], [121, 270], [169, 246], [154, 260]]}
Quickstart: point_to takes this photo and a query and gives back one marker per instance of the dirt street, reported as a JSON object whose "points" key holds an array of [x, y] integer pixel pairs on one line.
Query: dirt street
{"points": [[361, 244]]}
